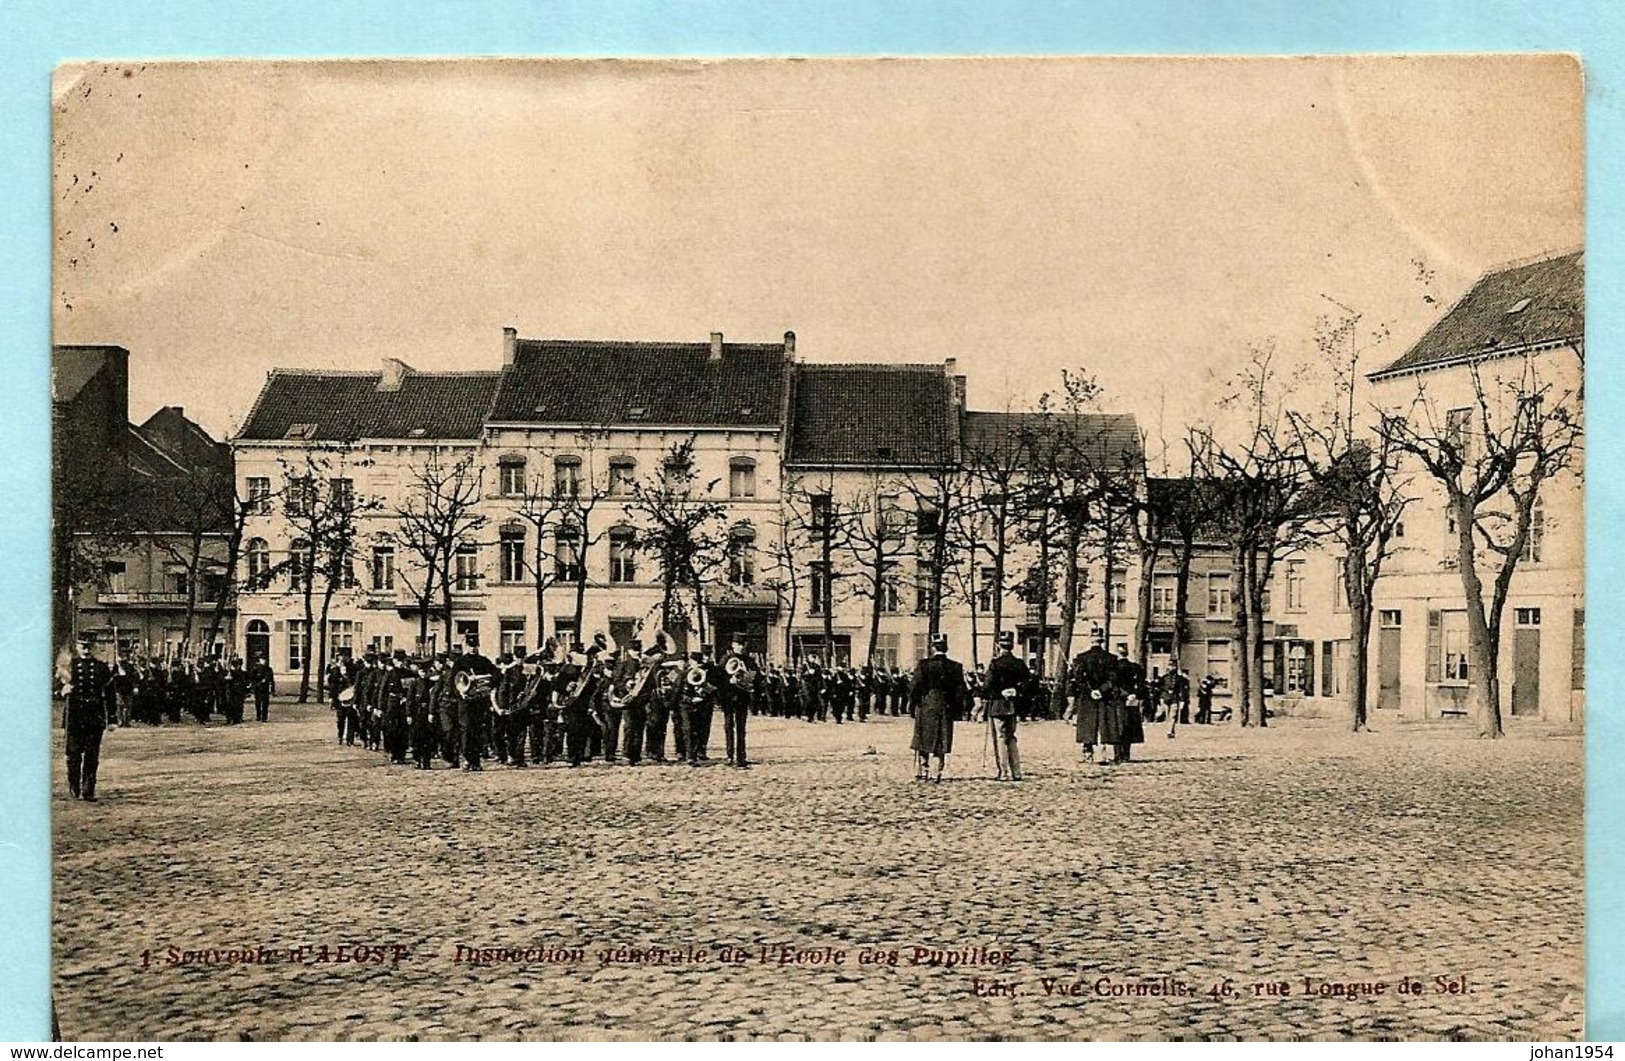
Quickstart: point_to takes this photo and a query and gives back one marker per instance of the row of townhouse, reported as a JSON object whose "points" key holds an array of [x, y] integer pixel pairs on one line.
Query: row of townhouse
{"points": [[784, 449]]}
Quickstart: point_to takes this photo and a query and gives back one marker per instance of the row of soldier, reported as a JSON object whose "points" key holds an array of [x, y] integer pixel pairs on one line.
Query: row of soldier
{"points": [[569, 704], [150, 690]]}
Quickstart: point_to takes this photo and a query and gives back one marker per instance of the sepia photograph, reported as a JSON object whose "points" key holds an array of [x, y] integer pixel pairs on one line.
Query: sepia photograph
{"points": [[822, 549]]}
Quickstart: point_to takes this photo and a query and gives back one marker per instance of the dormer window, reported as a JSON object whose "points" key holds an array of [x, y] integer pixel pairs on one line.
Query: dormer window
{"points": [[306, 431], [1518, 306], [417, 432], [637, 412]]}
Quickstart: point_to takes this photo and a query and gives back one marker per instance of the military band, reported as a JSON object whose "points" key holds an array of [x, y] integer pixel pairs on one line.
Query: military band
{"points": [[571, 703]]}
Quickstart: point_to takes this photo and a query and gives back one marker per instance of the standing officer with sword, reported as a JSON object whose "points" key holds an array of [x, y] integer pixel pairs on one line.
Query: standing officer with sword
{"points": [[1007, 682]]}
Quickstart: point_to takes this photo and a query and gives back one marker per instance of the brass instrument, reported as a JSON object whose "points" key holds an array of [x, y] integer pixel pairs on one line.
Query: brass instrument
{"points": [[739, 672], [632, 690]]}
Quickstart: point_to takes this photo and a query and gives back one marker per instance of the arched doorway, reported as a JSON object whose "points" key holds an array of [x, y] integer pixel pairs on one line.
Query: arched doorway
{"points": [[258, 638]]}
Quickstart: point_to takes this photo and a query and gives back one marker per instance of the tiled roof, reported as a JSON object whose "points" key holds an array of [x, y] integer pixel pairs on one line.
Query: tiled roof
{"points": [[871, 414], [344, 406], [1509, 308], [1104, 438], [568, 381]]}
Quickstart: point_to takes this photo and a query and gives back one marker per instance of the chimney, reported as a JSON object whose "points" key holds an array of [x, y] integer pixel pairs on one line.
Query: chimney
{"points": [[716, 346], [790, 344], [178, 410], [395, 370], [510, 342], [956, 380]]}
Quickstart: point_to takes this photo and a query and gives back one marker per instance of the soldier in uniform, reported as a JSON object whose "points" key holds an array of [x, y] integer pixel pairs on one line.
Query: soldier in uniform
{"points": [[694, 693], [476, 703], [1089, 685], [900, 700], [126, 682], [739, 680], [448, 712], [1122, 726], [88, 688], [1006, 685], [812, 691], [262, 683], [662, 702], [1179, 700], [578, 688], [393, 687], [236, 683], [623, 667], [420, 719], [937, 698]]}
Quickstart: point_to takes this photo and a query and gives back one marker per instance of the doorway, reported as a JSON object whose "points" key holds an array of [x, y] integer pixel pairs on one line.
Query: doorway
{"points": [[1526, 662], [257, 641], [1388, 648]]}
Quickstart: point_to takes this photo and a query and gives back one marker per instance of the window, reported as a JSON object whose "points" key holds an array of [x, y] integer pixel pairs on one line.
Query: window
{"points": [[259, 495], [1334, 666], [1300, 669], [1458, 433], [298, 644], [565, 632], [511, 476], [383, 568], [468, 632], [1164, 594], [622, 472], [1577, 651], [1526, 616], [927, 520], [742, 557], [818, 589], [465, 568], [1453, 657], [342, 494], [890, 597], [675, 473], [1218, 663], [297, 559], [986, 589], [819, 511], [741, 477], [889, 518], [922, 587], [1537, 533], [258, 555], [1340, 587], [623, 564], [1119, 592], [384, 644], [343, 570], [340, 639], [567, 555], [511, 635], [1294, 586], [1218, 595], [301, 496], [567, 477], [1388, 619], [511, 552], [113, 576], [886, 650], [1452, 542]]}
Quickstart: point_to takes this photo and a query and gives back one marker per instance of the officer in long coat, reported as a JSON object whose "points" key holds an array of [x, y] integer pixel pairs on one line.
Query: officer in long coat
{"points": [[1089, 685], [937, 697], [262, 683], [1121, 724], [738, 686], [420, 718], [392, 693], [88, 687]]}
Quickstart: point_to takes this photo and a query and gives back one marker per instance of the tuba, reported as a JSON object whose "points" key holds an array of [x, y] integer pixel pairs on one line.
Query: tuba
{"points": [[739, 672], [632, 689], [470, 685]]}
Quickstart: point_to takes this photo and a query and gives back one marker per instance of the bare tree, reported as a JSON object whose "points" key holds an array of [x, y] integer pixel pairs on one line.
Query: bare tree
{"points": [[683, 528], [1491, 459], [182, 516], [437, 516], [789, 543], [874, 535], [1265, 498], [1358, 483]]}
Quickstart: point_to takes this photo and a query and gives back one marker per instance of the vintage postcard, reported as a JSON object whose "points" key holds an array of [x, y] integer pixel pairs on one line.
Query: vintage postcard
{"points": [[960, 549]]}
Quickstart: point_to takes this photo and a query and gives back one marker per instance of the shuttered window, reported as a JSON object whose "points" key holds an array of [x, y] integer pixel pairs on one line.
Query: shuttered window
{"points": [[1327, 688], [1433, 647]]}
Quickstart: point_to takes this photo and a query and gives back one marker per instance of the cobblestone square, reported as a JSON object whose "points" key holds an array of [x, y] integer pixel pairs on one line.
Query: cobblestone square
{"points": [[1168, 899]]}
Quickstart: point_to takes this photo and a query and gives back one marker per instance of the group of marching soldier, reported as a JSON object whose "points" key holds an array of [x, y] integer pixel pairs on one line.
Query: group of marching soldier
{"points": [[571, 704]]}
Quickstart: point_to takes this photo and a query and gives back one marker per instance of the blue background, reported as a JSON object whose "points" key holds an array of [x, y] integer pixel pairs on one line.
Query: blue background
{"points": [[38, 34]]}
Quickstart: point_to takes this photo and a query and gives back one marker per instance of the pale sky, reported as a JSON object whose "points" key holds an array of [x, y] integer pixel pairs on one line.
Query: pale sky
{"points": [[1143, 219]]}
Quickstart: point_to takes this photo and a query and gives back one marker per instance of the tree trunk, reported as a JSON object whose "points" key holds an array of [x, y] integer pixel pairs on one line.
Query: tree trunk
{"points": [[310, 619], [1000, 519], [1182, 599], [1483, 663], [194, 559], [879, 587], [1359, 605], [1069, 608], [828, 602], [1242, 659], [1142, 616], [321, 641]]}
